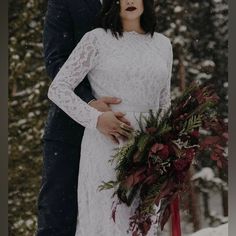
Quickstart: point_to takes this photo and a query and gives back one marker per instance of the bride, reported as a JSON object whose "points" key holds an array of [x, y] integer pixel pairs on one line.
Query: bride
{"points": [[126, 58]]}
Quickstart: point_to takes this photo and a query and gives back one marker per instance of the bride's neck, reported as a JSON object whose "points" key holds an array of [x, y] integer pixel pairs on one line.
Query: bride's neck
{"points": [[129, 25]]}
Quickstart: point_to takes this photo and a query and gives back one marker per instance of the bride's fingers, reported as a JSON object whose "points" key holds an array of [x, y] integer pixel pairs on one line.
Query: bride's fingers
{"points": [[124, 120], [113, 139], [119, 114], [123, 133], [126, 127], [118, 136]]}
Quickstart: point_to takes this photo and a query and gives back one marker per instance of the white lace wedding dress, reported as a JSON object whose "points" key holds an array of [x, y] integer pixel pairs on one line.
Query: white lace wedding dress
{"points": [[137, 69]]}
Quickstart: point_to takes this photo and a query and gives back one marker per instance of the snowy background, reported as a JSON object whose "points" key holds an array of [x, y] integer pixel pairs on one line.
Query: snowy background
{"points": [[199, 34]]}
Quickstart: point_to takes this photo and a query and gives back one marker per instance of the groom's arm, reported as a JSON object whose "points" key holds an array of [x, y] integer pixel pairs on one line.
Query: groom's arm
{"points": [[59, 41]]}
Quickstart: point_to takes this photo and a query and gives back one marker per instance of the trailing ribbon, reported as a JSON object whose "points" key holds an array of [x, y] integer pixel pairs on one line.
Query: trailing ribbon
{"points": [[175, 217]]}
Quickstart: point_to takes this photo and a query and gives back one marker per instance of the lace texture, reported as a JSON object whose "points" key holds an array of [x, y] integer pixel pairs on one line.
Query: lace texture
{"points": [[61, 91], [137, 69]]}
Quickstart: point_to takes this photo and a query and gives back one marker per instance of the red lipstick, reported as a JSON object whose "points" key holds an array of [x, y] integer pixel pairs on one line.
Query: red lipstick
{"points": [[130, 8]]}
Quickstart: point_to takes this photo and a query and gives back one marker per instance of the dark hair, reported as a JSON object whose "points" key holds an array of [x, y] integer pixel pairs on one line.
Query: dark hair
{"points": [[109, 17]]}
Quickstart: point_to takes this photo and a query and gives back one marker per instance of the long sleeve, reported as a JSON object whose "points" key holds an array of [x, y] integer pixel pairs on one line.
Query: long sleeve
{"points": [[165, 97], [59, 41], [61, 91]]}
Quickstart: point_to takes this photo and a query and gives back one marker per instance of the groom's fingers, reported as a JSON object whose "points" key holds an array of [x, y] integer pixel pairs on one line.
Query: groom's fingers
{"points": [[110, 100], [100, 105]]}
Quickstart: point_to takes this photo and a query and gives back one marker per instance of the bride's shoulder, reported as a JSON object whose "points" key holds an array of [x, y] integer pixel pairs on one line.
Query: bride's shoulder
{"points": [[97, 32], [162, 39], [94, 36]]}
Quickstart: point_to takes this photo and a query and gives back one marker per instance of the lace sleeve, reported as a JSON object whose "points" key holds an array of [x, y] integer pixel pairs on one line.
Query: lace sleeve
{"points": [[165, 98], [61, 91]]}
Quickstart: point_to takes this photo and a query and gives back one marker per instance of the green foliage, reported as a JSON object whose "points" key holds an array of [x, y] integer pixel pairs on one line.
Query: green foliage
{"points": [[192, 123], [149, 200], [107, 185]]}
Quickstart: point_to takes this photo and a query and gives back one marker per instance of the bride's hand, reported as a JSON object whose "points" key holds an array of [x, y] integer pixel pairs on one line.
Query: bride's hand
{"points": [[109, 124]]}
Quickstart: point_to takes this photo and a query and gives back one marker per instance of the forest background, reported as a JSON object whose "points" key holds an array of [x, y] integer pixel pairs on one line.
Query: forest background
{"points": [[199, 34]]}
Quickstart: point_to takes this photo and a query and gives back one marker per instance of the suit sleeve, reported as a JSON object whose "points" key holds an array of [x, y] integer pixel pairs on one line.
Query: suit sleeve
{"points": [[59, 41]]}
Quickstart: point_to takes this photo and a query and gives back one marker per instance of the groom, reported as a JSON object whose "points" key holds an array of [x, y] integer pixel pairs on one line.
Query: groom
{"points": [[66, 23]]}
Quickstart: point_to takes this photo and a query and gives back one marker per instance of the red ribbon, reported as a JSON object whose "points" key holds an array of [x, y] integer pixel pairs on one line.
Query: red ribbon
{"points": [[175, 218]]}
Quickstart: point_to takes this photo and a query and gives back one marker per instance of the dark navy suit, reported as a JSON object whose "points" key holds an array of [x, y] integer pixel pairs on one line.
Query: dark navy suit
{"points": [[65, 24]]}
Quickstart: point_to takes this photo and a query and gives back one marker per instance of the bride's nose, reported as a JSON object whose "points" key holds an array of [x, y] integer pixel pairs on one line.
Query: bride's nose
{"points": [[130, 2]]}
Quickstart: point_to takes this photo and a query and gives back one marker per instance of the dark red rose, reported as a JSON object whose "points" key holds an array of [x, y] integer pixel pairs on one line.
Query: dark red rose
{"points": [[181, 164], [190, 153], [161, 150], [164, 152]]}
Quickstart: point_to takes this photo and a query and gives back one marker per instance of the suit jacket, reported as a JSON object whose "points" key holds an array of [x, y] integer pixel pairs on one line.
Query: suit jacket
{"points": [[65, 24]]}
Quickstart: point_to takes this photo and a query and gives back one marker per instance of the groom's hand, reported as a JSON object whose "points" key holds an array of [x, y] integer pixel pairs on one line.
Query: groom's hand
{"points": [[103, 104], [109, 124]]}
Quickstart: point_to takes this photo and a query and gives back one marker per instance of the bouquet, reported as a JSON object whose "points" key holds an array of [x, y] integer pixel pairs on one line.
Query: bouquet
{"points": [[153, 165]]}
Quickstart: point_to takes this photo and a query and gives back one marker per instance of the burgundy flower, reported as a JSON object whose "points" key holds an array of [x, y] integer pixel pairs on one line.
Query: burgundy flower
{"points": [[161, 150], [181, 164], [190, 153], [164, 152]]}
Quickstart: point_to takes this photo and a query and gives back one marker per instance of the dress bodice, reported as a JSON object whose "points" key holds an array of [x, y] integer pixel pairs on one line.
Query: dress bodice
{"points": [[136, 68]]}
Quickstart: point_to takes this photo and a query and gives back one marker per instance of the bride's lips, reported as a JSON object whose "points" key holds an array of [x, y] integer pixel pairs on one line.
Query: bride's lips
{"points": [[130, 8]]}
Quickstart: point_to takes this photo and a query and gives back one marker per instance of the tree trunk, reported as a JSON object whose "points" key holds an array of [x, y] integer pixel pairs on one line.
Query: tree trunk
{"points": [[224, 194], [181, 73], [194, 206]]}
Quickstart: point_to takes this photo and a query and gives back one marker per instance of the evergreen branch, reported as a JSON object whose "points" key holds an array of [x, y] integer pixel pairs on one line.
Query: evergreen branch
{"points": [[191, 123], [107, 185]]}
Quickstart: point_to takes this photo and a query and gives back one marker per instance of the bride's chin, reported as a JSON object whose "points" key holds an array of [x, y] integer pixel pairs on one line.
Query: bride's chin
{"points": [[130, 17]]}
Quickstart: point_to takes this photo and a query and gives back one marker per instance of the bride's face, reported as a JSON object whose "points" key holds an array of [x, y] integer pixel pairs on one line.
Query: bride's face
{"points": [[131, 9]]}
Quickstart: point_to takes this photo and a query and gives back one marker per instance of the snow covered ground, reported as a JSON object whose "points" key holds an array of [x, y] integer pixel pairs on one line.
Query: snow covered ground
{"points": [[221, 230]]}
